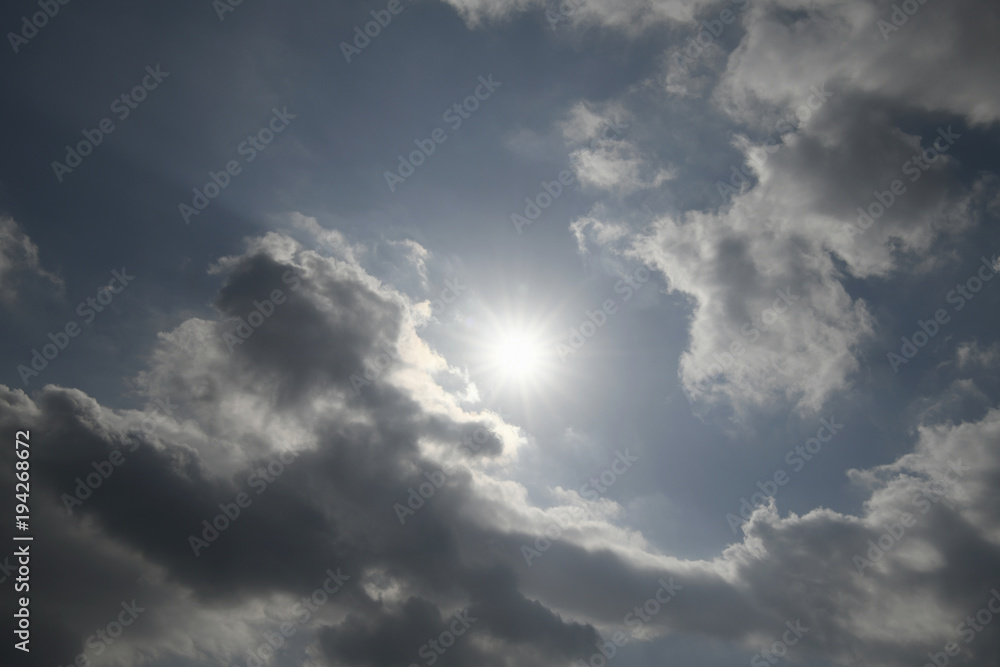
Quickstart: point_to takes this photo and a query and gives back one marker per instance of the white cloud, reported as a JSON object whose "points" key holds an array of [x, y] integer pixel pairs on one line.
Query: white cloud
{"points": [[631, 16], [839, 91], [940, 59]]}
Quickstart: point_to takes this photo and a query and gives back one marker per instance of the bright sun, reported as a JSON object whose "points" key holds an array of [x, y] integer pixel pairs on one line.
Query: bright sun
{"points": [[512, 354], [517, 355], [513, 361]]}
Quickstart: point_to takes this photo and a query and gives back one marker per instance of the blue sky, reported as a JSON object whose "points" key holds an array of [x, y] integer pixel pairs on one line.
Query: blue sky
{"points": [[629, 270]]}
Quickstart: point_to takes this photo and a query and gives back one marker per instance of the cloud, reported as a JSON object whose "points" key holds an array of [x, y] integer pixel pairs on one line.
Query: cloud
{"points": [[629, 16], [811, 206], [284, 389], [907, 600], [355, 456], [603, 158], [20, 265], [939, 59], [973, 355]]}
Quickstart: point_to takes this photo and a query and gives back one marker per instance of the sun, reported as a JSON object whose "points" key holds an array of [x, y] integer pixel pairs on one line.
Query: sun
{"points": [[517, 355], [517, 362], [510, 355]]}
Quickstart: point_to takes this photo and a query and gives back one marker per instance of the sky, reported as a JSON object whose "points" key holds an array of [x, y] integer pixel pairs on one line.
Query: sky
{"points": [[500, 332]]}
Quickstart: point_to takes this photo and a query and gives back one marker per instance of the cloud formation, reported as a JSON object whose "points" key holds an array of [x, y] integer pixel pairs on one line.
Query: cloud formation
{"points": [[218, 421]]}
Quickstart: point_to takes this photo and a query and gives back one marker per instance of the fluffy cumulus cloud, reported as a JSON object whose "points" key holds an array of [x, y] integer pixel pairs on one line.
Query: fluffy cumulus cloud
{"points": [[936, 56], [292, 396], [833, 184], [887, 580], [847, 194]]}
